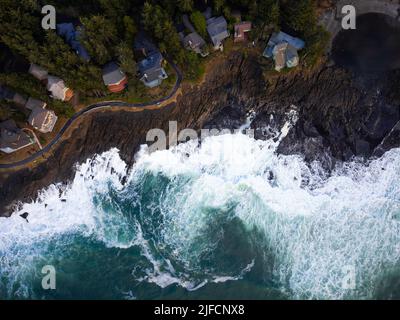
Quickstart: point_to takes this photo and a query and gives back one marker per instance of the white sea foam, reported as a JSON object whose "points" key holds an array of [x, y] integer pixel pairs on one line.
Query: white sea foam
{"points": [[315, 232], [57, 211], [314, 226]]}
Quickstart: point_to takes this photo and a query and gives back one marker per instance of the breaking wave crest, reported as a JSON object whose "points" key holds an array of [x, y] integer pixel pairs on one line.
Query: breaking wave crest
{"points": [[230, 209]]}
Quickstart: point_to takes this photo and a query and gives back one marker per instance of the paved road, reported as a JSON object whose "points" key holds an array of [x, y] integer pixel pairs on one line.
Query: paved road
{"points": [[90, 108]]}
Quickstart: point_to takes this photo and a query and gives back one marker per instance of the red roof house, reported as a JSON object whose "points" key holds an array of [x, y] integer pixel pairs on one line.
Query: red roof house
{"points": [[114, 78], [241, 30]]}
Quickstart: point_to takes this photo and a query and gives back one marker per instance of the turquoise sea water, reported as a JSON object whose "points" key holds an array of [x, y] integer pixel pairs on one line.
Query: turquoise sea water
{"points": [[229, 219]]}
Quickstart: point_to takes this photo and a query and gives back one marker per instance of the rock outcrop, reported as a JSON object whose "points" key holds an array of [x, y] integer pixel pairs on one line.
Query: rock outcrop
{"points": [[339, 117], [100, 131]]}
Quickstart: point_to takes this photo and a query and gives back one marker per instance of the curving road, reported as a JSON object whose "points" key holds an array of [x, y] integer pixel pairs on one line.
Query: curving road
{"points": [[90, 108]]}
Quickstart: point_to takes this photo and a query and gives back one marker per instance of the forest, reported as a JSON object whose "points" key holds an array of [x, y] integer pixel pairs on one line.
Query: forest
{"points": [[110, 27]]}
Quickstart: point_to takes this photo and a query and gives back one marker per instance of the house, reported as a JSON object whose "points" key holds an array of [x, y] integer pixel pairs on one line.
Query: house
{"points": [[38, 72], [279, 37], [283, 48], [291, 56], [42, 119], [151, 70], [35, 103], [217, 29], [194, 42], [241, 31], [143, 46], [55, 85], [13, 138], [285, 55], [58, 90], [71, 36], [18, 99], [14, 97], [150, 66], [114, 78]]}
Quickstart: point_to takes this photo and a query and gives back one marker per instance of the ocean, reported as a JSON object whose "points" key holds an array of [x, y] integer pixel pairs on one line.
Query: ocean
{"points": [[225, 219]]}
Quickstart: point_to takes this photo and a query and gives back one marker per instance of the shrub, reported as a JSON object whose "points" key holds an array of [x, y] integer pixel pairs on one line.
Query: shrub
{"points": [[199, 23]]}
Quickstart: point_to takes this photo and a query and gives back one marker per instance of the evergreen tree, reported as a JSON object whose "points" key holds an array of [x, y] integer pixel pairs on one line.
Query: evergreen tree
{"points": [[199, 22], [185, 5], [130, 29], [19, 27], [126, 58], [193, 66], [218, 5], [115, 9], [268, 12], [159, 24], [299, 15], [99, 37]]}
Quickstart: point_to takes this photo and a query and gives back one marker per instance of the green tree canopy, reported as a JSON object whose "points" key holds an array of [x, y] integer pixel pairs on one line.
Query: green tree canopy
{"points": [[159, 24], [267, 12], [199, 22], [126, 58], [99, 37], [299, 15], [185, 5], [130, 29]]}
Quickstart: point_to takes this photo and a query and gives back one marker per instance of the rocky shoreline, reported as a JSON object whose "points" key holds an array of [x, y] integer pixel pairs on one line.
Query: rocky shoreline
{"points": [[340, 116]]}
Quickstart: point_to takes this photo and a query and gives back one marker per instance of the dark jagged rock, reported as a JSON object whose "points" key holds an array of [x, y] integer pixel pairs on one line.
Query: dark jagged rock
{"points": [[24, 215], [339, 117], [101, 131]]}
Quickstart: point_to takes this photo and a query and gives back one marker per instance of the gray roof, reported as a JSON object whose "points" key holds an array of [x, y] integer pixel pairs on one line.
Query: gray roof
{"points": [[11, 137], [151, 69], [38, 72], [144, 43], [57, 87], [155, 74], [33, 103], [193, 41], [19, 99], [151, 63], [37, 117], [112, 74], [217, 29], [42, 119], [278, 37], [282, 37]]}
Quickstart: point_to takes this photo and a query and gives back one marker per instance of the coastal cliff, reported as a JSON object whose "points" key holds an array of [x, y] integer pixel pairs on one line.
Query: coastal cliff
{"points": [[340, 116], [126, 130]]}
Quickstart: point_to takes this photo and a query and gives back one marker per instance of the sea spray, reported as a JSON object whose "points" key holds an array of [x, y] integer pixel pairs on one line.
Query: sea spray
{"points": [[228, 210]]}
